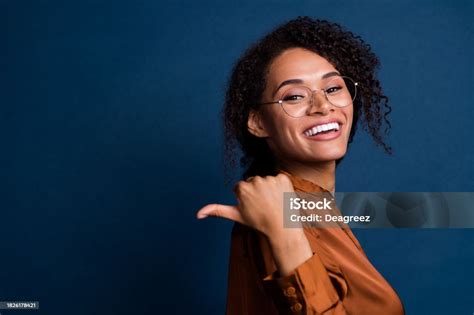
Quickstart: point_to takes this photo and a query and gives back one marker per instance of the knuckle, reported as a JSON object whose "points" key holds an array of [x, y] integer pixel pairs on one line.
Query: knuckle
{"points": [[283, 178], [249, 179], [240, 186], [270, 179]]}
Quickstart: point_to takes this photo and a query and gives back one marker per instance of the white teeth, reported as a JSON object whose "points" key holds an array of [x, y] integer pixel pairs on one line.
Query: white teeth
{"points": [[324, 127]]}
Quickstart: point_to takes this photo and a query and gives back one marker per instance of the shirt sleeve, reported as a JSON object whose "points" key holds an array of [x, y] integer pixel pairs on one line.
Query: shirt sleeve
{"points": [[311, 289]]}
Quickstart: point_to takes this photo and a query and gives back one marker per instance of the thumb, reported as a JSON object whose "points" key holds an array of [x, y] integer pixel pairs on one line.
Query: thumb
{"points": [[222, 211]]}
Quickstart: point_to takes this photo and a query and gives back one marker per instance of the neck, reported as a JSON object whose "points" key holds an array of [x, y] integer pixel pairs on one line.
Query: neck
{"points": [[321, 173]]}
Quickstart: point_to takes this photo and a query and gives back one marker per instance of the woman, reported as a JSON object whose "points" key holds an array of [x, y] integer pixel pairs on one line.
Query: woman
{"points": [[293, 102]]}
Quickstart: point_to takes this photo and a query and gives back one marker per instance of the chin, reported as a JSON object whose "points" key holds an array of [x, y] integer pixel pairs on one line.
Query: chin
{"points": [[317, 153], [332, 154]]}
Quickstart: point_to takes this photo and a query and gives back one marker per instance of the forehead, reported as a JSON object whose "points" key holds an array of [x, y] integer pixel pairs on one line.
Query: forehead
{"points": [[298, 63]]}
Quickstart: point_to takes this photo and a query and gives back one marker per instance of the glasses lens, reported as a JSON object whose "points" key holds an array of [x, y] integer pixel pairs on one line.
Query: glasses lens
{"points": [[341, 91], [296, 101]]}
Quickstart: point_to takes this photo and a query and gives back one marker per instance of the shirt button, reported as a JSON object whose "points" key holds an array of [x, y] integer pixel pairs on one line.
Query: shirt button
{"points": [[290, 291], [297, 307]]}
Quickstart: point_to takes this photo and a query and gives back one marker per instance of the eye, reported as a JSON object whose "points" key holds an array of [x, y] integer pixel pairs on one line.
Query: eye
{"points": [[293, 98], [295, 95], [334, 89]]}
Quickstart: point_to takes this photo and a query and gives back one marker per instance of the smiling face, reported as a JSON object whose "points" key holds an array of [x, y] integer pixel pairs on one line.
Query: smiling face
{"points": [[302, 139]]}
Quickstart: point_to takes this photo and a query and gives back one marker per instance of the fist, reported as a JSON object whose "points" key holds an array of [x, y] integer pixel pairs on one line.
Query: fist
{"points": [[260, 204]]}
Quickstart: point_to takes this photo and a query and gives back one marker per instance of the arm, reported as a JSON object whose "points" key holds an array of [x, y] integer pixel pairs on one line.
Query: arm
{"points": [[310, 288], [301, 284], [290, 249]]}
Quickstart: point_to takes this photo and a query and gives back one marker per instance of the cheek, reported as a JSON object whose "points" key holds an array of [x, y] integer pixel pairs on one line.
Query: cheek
{"points": [[272, 119], [349, 112], [279, 126]]}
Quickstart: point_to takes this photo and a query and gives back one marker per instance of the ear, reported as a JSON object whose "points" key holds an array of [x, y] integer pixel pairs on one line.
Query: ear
{"points": [[255, 124]]}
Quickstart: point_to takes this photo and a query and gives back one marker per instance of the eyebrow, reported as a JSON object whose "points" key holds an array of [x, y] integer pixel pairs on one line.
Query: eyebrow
{"points": [[299, 81]]}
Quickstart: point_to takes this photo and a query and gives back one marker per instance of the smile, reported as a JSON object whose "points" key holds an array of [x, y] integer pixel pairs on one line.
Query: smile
{"points": [[322, 129]]}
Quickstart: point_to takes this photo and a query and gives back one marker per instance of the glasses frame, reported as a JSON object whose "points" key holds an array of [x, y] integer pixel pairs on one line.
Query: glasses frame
{"points": [[356, 84]]}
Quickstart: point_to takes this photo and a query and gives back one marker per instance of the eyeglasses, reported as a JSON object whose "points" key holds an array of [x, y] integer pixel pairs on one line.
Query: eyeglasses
{"points": [[296, 100]]}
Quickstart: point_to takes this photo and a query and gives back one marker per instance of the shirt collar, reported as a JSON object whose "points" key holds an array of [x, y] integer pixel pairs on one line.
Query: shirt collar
{"points": [[304, 185]]}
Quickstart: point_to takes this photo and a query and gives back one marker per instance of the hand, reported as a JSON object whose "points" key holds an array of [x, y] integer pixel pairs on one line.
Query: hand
{"points": [[260, 204]]}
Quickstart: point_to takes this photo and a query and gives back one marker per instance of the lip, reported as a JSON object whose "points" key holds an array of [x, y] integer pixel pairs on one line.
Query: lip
{"points": [[327, 136]]}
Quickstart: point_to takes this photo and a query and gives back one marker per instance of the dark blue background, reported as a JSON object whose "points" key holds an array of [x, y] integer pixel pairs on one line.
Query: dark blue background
{"points": [[111, 141]]}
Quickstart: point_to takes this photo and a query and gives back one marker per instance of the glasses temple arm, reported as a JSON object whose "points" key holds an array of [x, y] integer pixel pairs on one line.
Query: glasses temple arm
{"points": [[268, 103]]}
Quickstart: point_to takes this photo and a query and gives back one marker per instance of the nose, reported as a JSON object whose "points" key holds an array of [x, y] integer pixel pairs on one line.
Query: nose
{"points": [[319, 104]]}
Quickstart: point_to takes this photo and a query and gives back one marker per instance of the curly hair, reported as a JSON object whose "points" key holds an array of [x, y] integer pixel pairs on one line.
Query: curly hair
{"points": [[348, 53]]}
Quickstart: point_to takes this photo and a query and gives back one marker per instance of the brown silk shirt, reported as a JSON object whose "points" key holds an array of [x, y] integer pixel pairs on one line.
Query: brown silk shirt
{"points": [[338, 279]]}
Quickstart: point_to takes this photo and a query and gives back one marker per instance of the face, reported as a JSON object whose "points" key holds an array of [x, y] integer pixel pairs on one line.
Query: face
{"points": [[289, 138]]}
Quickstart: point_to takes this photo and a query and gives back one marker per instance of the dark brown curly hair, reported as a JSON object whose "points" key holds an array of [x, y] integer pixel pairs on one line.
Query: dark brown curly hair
{"points": [[347, 52]]}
